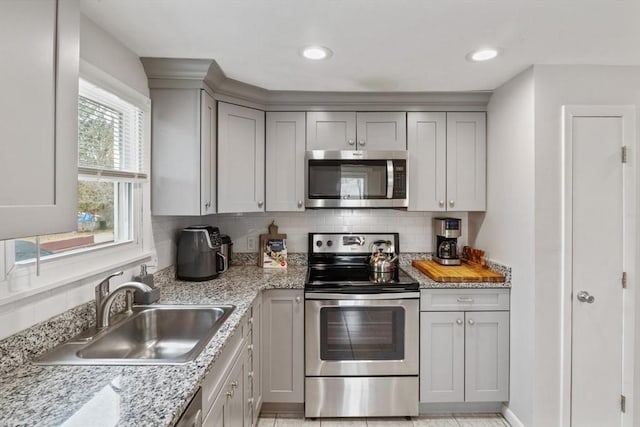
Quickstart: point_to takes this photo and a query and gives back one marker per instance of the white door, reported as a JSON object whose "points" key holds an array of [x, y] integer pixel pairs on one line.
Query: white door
{"points": [[331, 130], [597, 227], [382, 131], [207, 154]]}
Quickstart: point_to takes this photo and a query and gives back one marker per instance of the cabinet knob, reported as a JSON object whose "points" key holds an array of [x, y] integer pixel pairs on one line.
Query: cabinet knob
{"points": [[472, 322], [229, 394], [250, 374], [441, 203], [459, 321], [251, 320], [452, 203], [207, 205], [234, 384], [260, 203], [362, 142], [298, 299], [250, 348], [299, 203], [351, 142]]}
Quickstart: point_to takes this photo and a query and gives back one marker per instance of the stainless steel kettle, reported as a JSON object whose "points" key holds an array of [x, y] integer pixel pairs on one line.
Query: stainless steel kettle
{"points": [[382, 264]]}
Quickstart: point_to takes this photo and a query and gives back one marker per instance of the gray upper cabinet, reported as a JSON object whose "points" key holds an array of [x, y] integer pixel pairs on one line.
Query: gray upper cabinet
{"points": [[356, 131], [331, 130], [382, 131], [241, 142], [39, 41], [447, 161], [427, 145], [466, 161], [183, 173], [285, 161]]}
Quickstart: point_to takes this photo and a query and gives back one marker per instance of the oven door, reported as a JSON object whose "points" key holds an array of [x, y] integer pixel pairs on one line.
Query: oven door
{"points": [[361, 335]]}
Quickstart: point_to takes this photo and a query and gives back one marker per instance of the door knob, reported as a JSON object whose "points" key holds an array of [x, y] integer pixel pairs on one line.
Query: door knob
{"points": [[583, 296]]}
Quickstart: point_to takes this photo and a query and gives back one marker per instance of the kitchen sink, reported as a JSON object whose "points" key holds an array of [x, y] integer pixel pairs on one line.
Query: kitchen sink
{"points": [[153, 334]]}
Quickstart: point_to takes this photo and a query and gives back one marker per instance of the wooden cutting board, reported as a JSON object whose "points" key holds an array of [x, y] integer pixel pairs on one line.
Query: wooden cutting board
{"points": [[457, 273]]}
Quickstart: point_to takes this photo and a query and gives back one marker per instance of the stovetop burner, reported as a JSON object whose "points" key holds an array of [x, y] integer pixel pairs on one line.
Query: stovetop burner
{"points": [[339, 262]]}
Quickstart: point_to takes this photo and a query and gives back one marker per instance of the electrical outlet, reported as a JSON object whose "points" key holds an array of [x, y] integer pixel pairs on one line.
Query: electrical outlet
{"points": [[251, 243]]}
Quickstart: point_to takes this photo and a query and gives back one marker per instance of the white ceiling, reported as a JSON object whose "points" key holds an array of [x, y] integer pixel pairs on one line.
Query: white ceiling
{"points": [[378, 45]]}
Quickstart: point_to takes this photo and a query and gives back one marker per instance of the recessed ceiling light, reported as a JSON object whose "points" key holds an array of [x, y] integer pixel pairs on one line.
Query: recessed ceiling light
{"points": [[316, 52], [482, 55]]}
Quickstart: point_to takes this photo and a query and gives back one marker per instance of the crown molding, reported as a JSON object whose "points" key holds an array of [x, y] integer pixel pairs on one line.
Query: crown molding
{"points": [[207, 74]]}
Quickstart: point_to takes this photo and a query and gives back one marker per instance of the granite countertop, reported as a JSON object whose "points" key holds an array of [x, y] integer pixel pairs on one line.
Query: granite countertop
{"points": [[144, 395], [136, 395]]}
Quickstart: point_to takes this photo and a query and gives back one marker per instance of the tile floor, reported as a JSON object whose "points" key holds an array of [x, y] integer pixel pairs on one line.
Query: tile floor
{"points": [[456, 420]]}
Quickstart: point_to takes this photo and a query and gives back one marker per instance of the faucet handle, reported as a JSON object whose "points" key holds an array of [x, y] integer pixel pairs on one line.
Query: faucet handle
{"points": [[103, 287]]}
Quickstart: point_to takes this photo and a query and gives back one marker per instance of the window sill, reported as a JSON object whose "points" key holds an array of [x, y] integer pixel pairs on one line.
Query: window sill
{"points": [[63, 274]]}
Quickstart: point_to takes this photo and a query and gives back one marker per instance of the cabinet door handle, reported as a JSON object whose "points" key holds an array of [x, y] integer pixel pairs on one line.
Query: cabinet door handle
{"points": [[229, 394], [234, 384], [472, 322], [299, 203], [260, 203], [362, 142], [465, 300], [250, 348], [351, 141], [298, 299], [441, 203], [452, 203], [250, 374], [459, 322]]}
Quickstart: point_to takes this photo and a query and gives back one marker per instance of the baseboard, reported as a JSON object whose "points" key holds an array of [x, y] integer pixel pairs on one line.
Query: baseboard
{"points": [[511, 418], [272, 408], [460, 408]]}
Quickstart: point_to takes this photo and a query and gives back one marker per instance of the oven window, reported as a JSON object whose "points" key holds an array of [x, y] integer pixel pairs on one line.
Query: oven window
{"points": [[362, 333]]}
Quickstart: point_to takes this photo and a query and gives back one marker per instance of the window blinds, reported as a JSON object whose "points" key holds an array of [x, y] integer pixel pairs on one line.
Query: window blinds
{"points": [[110, 135]]}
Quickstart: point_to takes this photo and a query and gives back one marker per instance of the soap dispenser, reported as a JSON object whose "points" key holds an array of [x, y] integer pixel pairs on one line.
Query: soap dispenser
{"points": [[147, 279]]}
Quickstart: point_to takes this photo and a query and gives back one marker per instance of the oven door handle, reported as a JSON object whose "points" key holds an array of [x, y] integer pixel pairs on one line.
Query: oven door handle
{"points": [[381, 296]]}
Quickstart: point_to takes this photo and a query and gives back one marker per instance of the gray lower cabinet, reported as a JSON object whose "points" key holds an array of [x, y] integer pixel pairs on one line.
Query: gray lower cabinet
{"points": [[231, 392], [464, 354], [283, 346]]}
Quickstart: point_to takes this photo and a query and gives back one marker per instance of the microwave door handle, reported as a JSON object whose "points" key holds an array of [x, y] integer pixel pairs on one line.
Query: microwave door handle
{"points": [[390, 179]]}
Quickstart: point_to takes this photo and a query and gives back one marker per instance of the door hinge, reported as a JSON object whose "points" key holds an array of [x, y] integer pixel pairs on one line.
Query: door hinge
{"points": [[623, 403], [624, 154], [624, 279]]}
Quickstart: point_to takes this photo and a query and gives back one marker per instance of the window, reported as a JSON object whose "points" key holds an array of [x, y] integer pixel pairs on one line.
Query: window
{"points": [[111, 168]]}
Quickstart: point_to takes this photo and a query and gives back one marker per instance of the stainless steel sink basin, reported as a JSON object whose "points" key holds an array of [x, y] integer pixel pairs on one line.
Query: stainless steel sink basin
{"points": [[155, 334]]}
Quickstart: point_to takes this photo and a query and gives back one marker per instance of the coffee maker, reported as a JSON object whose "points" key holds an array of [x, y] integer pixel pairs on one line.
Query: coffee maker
{"points": [[446, 232]]}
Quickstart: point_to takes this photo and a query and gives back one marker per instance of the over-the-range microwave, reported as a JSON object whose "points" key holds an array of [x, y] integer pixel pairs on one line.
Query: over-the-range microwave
{"points": [[356, 179]]}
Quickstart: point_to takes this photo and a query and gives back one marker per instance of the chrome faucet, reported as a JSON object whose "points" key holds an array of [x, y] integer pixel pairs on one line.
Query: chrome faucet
{"points": [[105, 307]]}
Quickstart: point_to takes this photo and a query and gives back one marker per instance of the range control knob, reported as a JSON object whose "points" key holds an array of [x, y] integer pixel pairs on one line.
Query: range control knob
{"points": [[329, 243], [319, 243]]}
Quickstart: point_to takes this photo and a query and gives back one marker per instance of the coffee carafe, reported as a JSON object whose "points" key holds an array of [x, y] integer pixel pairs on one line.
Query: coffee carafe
{"points": [[446, 232]]}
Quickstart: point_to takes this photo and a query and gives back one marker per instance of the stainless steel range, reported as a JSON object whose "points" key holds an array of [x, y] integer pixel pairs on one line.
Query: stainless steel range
{"points": [[361, 331]]}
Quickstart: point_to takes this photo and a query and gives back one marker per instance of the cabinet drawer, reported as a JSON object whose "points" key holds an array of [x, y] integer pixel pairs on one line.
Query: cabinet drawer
{"points": [[464, 299]]}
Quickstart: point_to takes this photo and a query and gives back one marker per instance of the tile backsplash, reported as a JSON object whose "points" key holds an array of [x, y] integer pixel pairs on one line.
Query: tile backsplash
{"points": [[415, 228]]}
